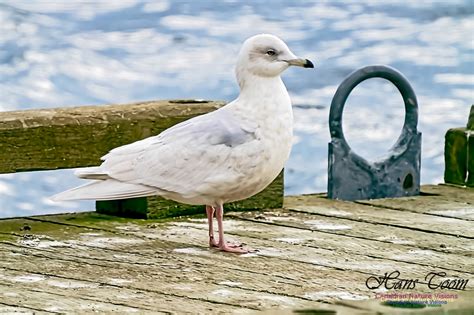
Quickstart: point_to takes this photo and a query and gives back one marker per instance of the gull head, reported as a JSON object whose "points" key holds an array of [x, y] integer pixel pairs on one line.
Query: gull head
{"points": [[266, 55]]}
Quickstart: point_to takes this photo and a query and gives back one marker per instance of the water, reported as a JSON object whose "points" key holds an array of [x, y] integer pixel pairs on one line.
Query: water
{"points": [[65, 53]]}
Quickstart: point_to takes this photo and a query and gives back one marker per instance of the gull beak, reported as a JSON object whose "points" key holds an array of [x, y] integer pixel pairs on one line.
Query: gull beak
{"points": [[300, 62]]}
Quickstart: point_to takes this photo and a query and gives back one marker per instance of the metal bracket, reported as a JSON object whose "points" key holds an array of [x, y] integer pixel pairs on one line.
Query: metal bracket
{"points": [[350, 176]]}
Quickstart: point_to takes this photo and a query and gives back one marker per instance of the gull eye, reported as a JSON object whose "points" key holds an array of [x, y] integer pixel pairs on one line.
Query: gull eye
{"points": [[271, 52]]}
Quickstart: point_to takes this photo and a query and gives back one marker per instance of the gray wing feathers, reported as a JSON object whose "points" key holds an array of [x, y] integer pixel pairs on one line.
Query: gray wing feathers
{"points": [[227, 130], [192, 150], [187, 159]]}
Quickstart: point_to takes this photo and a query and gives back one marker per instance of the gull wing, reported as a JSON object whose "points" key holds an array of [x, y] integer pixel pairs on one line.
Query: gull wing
{"points": [[196, 157]]}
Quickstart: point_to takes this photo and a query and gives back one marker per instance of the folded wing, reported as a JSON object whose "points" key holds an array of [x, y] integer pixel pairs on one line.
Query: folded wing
{"points": [[196, 157]]}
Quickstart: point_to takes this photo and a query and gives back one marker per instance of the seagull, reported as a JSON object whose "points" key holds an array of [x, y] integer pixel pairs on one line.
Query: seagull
{"points": [[223, 156]]}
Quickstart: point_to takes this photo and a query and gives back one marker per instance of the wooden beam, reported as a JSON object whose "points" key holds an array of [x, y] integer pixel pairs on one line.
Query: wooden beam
{"points": [[470, 122], [48, 139], [455, 156], [470, 149], [459, 153]]}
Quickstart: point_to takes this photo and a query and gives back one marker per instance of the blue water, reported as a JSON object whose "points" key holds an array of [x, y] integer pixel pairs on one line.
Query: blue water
{"points": [[68, 53]]}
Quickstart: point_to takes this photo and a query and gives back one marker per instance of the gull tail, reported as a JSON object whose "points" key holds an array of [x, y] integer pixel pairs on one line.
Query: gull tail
{"points": [[109, 189]]}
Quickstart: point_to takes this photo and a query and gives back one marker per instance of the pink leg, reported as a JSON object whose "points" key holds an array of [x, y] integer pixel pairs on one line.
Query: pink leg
{"points": [[210, 217], [223, 246]]}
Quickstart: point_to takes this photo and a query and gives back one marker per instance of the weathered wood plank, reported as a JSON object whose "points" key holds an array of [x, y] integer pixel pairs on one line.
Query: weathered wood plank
{"points": [[470, 121], [47, 139], [132, 263], [88, 293], [55, 303], [407, 220], [448, 202], [363, 230], [135, 238], [184, 276], [6, 308], [325, 224], [366, 231], [164, 281], [470, 158], [456, 156], [450, 192], [130, 255], [188, 238], [113, 294], [458, 153], [470, 148], [272, 226], [367, 264], [335, 256]]}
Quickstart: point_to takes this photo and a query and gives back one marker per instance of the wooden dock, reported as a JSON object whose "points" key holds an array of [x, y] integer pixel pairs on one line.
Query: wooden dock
{"points": [[412, 255], [314, 257]]}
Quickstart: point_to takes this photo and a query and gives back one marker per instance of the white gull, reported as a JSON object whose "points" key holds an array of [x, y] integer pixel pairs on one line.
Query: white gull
{"points": [[227, 155]]}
